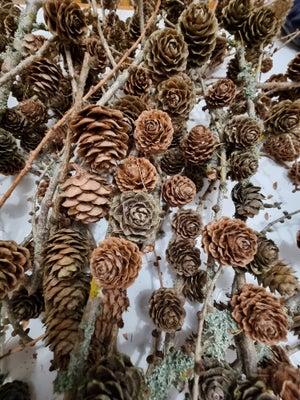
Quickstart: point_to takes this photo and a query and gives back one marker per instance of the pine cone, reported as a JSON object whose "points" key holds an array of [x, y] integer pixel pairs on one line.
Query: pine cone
{"points": [[243, 164], [216, 379], [260, 314], [296, 324], [284, 117], [86, 196], [14, 121], [43, 77], [65, 255], [279, 278], [34, 110], [154, 132], [294, 173], [293, 69], [101, 134], [14, 261], [12, 164], [198, 25], [137, 174], [265, 257], [219, 53], [115, 263], [134, 30], [178, 190], [248, 200], [172, 161], [31, 44], [234, 14], [135, 217], [263, 105], [229, 241], [176, 96], [183, 255], [198, 145], [114, 377], [196, 173], [65, 19], [15, 390], [221, 93], [194, 285], [131, 107], [32, 137], [98, 57], [173, 9], [165, 53], [242, 132], [138, 83], [252, 389], [166, 309], [260, 27], [187, 224], [62, 100], [283, 379], [115, 31], [26, 306], [284, 147]]}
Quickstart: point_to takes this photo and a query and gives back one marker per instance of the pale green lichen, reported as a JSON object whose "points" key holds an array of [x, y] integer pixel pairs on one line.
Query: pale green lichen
{"points": [[173, 371], [218, 333]]}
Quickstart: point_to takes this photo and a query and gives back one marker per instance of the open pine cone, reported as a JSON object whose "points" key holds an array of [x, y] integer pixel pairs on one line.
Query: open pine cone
{"points": [[25, 306], [260, 314], [138, 83], [229, 241], [283, 147], [16, 389], [265, 257], [248, 200], [293, 70], [115, 263], [194, 285], [242, 132], [172, 161], [221, 93], [166, 309], [178, 190], [187, 223], [198, 145], [242, 164], [183, 255]]}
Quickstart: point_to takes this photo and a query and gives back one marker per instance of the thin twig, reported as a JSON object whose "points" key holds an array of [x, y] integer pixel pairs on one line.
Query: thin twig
{"points": [[280, 219], [12, 319], [20, 348], [71, 71]]}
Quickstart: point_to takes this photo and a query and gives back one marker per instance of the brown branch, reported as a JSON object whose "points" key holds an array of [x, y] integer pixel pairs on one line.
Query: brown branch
{"points": [[22, 347], [45, 139]]}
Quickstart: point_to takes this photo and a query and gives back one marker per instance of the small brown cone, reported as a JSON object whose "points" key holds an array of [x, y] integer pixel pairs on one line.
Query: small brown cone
{"points": [[115, 263], [194, 285], [248, 200], [221, 94], [183, 255], [14, 261], [187, 224], [283, 147], [243, 164], [198, 145], [138, 83], [172, 161], [260, 314], [86, 196], [178, 190], [242, 132], [294, 173], [293, 70], [25, 306], [265, 257], [101, 135], [166, 309]]}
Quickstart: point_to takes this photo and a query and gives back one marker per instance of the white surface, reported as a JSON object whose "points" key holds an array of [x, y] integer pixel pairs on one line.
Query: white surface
{"points": [[32, 365]]}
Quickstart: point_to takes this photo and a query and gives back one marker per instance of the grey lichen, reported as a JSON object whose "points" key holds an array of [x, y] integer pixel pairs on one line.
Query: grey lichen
{"points": [[173, 371], [218, 333]]}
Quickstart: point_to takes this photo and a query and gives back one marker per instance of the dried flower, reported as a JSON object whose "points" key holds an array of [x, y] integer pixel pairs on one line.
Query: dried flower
{"points": [[260, 314], [166, 309], [229, 241], [115, 263]]}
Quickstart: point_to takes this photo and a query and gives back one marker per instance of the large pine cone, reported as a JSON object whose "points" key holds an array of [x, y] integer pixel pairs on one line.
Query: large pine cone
{"points": [[221, 93], [101, 134], [15, 390], [293, 70], [198, 145], [284, 117], [260, 27], [115, 263], [242, 132], [183, 255], [165, 53], [283, 147], [260, 314], [178, 190], [137, 174], [187, 224], [114, 377], [26, 306], [65, 19], [265, 257], [166, 309], [243, 164], [154, 132], [199, 25], [176, 96], [279, 278], [14, 261], [194, 285], [138, 83], [252, 389], [135, 217], [172, 161], [248, 200], [229, 241], [86, 196], [283, 379], [216, 379]]}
